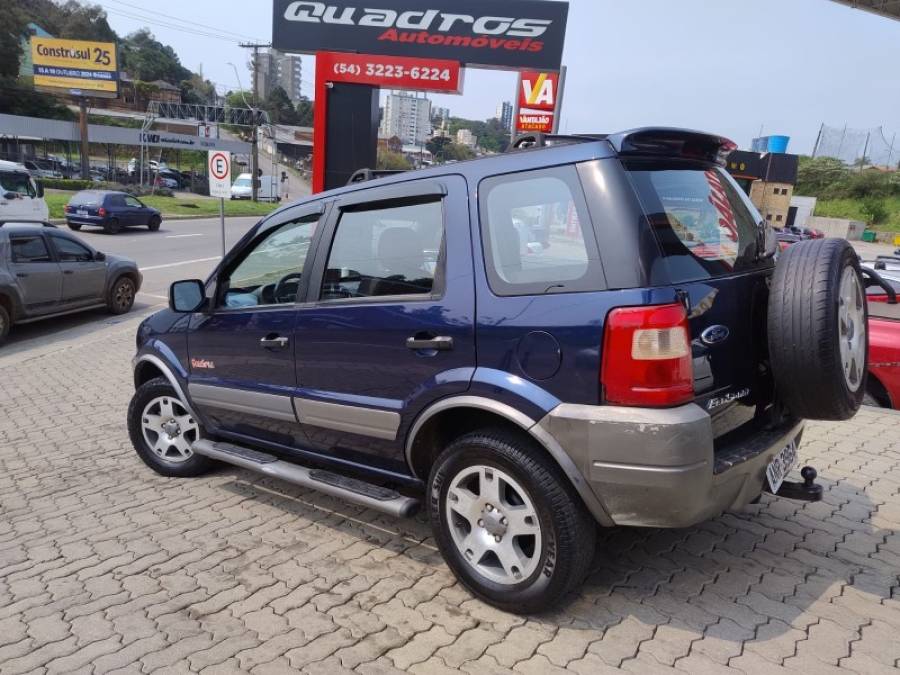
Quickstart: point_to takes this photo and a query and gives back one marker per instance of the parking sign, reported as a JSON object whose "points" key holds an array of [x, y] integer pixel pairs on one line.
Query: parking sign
{"points": [[219, 174]]}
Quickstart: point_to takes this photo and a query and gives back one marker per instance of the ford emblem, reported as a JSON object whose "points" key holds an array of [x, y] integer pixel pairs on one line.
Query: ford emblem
{"points": [[715, 334]]}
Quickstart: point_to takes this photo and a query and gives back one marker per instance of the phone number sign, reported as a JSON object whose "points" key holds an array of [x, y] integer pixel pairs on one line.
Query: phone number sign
{"points": [[395, 72]]}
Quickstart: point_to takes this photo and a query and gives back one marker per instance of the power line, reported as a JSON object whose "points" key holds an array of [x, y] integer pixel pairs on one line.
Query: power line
{"points": [[164, 24], [180, 20]]}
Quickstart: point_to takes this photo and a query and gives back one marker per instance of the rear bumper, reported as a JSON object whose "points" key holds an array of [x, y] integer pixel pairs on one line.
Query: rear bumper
{"points": [[657, 467]]}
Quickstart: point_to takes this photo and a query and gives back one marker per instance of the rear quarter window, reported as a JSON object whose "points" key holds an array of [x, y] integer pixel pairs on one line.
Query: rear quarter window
{"points": [[537, 234]]}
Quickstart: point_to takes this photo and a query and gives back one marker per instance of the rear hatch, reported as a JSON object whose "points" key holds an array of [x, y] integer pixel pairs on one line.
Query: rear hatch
{"points": [[85, 205], [708, 234]]}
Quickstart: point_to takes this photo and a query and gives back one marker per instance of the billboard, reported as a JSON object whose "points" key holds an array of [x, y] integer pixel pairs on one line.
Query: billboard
{"points": [[488, 33], [538, 99], [78, 66]]}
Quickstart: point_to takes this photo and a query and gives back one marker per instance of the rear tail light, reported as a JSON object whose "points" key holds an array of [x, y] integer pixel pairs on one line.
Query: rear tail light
{"points": [[647, 357], [102, 212], [67, 208]]}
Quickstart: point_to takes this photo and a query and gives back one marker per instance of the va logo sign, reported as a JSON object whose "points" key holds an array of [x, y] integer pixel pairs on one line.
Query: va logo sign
{"points": [[537, 90]]}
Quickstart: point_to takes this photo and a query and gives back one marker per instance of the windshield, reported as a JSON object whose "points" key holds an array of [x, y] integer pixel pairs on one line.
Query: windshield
{"points": [[242, 182], [18, 182], [703, 222]]}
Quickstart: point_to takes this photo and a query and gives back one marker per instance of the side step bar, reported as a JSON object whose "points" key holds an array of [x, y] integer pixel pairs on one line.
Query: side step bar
{"points": [[349, 489]]}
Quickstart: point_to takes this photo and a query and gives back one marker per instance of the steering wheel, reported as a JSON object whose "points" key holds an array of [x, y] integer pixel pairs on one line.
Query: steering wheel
{"points": [[279, 287]]}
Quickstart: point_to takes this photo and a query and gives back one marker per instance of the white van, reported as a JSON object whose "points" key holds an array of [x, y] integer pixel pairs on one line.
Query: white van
{"points": [[20, 197], [243, 188]]}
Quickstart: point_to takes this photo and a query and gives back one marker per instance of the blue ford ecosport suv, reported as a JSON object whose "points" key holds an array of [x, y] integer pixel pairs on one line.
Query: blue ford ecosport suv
{"points": [[586, 330]]}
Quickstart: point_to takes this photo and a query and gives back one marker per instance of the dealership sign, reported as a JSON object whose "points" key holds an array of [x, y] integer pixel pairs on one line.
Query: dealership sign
{"points": [[489, 33], [538, 101], [75, 65]]}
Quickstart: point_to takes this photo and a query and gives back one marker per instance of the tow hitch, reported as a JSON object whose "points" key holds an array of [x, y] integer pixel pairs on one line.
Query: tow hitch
{"points": [[807, 491]]}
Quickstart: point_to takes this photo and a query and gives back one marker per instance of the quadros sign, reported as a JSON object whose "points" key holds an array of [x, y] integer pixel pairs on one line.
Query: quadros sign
{"points": [[91, 67], [489, 33]]}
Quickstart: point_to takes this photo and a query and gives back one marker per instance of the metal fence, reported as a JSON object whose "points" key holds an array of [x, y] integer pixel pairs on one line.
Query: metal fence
{"points": [[859, 147]]}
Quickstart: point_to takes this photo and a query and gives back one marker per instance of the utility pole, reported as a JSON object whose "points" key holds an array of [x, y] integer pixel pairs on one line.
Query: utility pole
{"points": [[85, 145], [254, 141]]}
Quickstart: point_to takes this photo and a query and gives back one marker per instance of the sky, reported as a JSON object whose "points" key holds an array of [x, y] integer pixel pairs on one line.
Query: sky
{"points": [[725, 66]]}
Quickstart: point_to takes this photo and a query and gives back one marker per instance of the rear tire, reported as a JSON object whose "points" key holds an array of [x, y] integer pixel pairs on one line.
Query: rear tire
{"points": [[74, 226], [112, 226], [154, 409], [508, 522], [818, 329], [5, 324], [154, 223], [121, 296]]}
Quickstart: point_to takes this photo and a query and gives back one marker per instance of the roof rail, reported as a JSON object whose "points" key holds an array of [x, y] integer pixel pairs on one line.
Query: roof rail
{"points": [[539, 140], [22, 221], [362, 175]]}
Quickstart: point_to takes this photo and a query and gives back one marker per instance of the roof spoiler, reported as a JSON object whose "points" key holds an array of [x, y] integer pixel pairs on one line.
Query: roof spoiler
{"points": [[669, 142], [363, 175]]}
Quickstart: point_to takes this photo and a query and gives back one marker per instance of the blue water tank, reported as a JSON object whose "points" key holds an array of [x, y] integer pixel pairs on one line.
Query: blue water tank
{"points": [[778, 143]]}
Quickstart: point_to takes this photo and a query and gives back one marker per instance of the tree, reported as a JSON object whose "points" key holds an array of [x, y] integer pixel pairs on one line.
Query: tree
{"points": [[145, 58], [394, 144], [197, 90], [84, 22], [12, 30], [816, 175], [392, 161], [305, 109], [279, 107], [436, 146]]}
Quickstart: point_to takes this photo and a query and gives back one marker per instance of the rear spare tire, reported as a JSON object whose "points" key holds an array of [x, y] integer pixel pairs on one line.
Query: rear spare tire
{"points": [[817, 327]]}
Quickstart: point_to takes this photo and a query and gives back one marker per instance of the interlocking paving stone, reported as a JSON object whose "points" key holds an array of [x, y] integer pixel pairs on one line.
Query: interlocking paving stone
{"points": [[107, 567]]}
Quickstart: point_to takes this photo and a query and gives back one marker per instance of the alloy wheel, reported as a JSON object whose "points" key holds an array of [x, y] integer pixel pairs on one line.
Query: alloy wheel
{"points": [[169, 429]]}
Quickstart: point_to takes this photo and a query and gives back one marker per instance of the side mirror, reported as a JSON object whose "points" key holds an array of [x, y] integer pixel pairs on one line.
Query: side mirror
{"points": [[99, 256], [187, 296], [40, 189]]}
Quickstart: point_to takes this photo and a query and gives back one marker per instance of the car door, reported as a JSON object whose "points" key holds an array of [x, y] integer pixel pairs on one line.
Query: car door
{"points": [[389, 323], [83, 277], [116, 208], [137, 212], [242, 349], [38, 277]]}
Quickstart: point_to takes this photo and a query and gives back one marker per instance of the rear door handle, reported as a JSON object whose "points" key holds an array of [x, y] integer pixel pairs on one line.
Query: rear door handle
{"points": [[21, 275], [274, 342], [68, 271], [441, 343]]}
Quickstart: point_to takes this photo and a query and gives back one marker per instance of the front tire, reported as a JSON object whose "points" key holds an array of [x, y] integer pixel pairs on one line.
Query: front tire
{"points": [[154, 223], [508, 522], [162, 430], [121, 296]]}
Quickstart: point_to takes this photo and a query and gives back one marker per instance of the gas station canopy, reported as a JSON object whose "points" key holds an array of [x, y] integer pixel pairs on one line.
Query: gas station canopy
{"points": [[887, 8]]}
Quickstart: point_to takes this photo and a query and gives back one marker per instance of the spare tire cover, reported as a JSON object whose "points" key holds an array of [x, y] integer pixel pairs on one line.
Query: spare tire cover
{"points": [[818, 330]]}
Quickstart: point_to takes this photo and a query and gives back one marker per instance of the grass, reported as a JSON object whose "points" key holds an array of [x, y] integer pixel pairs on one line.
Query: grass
{"points": [[194, 205], [853, 209]]}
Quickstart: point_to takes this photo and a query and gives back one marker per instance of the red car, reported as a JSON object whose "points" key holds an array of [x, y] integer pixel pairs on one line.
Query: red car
{"points": [[883, 388]]}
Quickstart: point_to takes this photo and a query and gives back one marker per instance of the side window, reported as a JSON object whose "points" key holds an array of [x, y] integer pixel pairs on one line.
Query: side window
{"points": [[131, 201], [385, 251], [270, 273], [29, 249], [70, 250], [17, 182], [537, 235]]}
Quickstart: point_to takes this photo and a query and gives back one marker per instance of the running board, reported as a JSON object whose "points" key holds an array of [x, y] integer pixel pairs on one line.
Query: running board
{"points": [[343, 487]]}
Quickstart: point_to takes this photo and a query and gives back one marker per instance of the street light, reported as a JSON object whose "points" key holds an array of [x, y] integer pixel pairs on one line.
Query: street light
{"points": [[254, 142]]}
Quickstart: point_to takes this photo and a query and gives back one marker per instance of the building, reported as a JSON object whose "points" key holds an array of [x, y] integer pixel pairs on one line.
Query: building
{"points": [[467, 138], [406, 116], [769, 179], [271, 69], [504, 113], [440, 115]]}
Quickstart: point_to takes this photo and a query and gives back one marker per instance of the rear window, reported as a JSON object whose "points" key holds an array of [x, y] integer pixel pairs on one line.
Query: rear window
{"points": [[537, 234], [704, 223], [85, 199]]}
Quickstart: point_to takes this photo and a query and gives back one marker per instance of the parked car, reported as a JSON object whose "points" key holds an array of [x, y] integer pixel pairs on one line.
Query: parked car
{"points": [[110, 210], [242, 188], [883, 384], [40, 169], [785, 238], [393, 344], [20, 195], [45, 273]]}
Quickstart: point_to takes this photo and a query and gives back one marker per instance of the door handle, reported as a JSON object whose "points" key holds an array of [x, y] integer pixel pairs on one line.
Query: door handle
{"points": [[68, 272], [21, 275], [274, 342], [441, 343]]}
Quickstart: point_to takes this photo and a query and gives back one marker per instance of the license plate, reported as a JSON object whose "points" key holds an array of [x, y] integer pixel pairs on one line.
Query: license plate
{"points": [[81, 212], [781, 465]]}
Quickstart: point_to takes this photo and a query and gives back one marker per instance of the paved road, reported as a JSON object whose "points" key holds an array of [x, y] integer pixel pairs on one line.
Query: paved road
{"points": [[105, 566], [181, 249]]}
